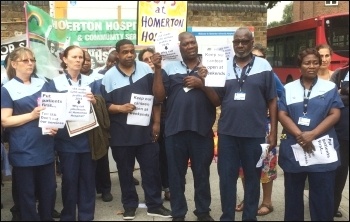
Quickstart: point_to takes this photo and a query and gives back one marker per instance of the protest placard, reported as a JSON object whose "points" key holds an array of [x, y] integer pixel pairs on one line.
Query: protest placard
{"points": [[78, 107], [216, 63], [77, 127], [53, 116], [141, 116], [167, 44]]}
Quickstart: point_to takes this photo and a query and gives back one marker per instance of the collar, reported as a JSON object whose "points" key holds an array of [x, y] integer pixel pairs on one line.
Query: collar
{"points": [[123, 73], [251, 62], [199, 57], [20, 80]]}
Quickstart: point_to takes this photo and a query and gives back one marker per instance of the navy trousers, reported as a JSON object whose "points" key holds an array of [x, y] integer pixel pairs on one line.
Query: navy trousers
{"points": [[78, 186]]}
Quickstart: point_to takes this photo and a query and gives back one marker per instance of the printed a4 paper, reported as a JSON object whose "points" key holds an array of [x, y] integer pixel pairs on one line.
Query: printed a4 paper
{"points": [[324, 152]]}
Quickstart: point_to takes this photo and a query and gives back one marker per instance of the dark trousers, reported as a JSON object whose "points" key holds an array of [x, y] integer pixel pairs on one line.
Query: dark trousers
{"points": [[233, 152], [103, 178], [163, 162], [200, 150], [321, 195], [78, 186], [341, 173], [29, 180], [147, 156]]}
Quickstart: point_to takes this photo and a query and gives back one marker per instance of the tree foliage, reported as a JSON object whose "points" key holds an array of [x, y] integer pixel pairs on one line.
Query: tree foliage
{"points": [[287, 17], [269, 4]]}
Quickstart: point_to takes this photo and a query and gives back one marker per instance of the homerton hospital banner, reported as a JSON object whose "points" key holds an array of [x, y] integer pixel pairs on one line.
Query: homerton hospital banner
{"points": [[160, 16], [95, 26]]}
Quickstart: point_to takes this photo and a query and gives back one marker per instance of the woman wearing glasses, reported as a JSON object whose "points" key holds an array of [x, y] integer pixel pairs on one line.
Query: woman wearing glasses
{"points": [[31, 153]]}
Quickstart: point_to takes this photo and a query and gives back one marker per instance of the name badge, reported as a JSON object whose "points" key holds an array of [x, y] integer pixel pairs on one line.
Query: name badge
{"points": [[239, 96], [304, 121]]}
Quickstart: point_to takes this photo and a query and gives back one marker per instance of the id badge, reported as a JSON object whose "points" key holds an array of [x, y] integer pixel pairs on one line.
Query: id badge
{"points": [[240, 96], [304, 121]]}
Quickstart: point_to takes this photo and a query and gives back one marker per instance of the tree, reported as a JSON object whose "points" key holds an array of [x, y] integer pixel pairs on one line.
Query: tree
{"points": [[287, 16], [269, 4]]}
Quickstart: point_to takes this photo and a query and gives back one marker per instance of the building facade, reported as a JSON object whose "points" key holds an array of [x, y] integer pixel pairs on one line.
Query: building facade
{"points": [[308, 9]]}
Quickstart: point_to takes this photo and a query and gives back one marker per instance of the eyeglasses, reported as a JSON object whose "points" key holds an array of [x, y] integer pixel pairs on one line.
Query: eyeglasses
{"points": [[243, 42], [26, 61]]}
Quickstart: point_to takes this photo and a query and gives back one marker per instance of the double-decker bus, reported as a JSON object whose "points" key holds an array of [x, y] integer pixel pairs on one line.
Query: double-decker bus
{"points": [[284, 42]]}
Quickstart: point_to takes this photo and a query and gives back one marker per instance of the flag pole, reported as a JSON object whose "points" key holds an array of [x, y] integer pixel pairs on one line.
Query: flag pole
{"points": [[26, 17]]}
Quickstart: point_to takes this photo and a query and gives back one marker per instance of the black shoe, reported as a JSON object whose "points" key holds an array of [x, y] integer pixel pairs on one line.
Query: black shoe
{"points": [[159, 212], [338, 214], [136, 182], [178, 218], [56, 214], [129, 213], [204, 217], [107, 197]]}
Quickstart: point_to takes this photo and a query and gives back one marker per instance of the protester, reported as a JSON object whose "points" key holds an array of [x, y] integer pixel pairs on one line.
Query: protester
{"points": [[133, 141], [326, 55], [308, 111], [102, 177], [31, 153], [245, 98], [269, 169], [111, 61], [78, 167], [188, 126], [341, 78], [145, 56]]}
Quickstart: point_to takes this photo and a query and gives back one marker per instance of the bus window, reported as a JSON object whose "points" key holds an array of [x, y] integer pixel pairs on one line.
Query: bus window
{"points": [[337, 34]]}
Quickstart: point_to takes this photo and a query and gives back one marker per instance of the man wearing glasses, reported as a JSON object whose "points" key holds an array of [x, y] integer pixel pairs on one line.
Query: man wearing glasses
{"points": [[244, 100]]}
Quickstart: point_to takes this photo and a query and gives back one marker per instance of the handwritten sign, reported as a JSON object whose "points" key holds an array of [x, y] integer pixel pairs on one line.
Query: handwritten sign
{"points": [[216, 63], [167, 45], [78, 107], [141, 116], [53, 116]]}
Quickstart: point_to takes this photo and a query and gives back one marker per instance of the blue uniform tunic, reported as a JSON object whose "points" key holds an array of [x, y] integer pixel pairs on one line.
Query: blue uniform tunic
{"points": [[63, 142], [259, 87], [116, 89], [194, 108], [28, 146], [323, 97]]}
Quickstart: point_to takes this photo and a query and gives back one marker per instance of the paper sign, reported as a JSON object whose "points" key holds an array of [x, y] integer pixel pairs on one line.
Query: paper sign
{"points": [[264, 152], [78, 107], [167, 45], [53, 116], [216, 63], [141, 116], [75, 127]]}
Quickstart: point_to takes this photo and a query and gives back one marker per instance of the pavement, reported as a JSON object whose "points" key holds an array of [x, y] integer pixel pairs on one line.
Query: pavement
{"points": [[112, 211]]}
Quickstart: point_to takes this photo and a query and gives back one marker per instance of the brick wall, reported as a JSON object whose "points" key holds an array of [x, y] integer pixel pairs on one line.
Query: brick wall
{"points": [[308, 9]]}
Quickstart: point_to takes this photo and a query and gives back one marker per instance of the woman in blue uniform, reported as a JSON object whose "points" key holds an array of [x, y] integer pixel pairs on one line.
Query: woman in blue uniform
{"points": [[308, 111], [77, 166], [31, 153]]}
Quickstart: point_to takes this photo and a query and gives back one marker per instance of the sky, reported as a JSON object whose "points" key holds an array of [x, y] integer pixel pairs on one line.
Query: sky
{"points": [[275, 14]]}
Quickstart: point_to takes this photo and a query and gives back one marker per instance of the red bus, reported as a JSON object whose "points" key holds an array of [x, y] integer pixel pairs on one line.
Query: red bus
{"points": [[284, 42]]}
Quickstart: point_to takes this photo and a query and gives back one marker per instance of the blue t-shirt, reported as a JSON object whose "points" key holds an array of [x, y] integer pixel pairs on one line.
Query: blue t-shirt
{"points": [[190, 110], [116, 89], [323, 97], [28, 147], [63, 142], [247, 118]]}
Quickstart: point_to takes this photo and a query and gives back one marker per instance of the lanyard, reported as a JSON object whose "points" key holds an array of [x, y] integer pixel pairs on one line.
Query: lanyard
{"points": [[306, 98], [69, 78], [194, 69], [243, 75]]}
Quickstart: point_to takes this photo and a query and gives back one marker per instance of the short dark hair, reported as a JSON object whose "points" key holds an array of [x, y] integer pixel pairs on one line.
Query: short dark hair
{"points": [[151, 50], [305, 52], [65, 54], [121, 43], [260, 48]]}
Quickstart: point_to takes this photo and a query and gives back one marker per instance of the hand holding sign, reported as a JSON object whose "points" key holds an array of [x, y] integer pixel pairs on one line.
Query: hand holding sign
{"points": [[157, 60], [167, 45]]}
